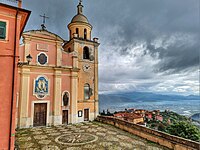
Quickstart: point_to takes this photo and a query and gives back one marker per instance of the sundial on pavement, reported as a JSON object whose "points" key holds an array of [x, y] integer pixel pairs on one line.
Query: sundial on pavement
{"points": [[76, 139]]}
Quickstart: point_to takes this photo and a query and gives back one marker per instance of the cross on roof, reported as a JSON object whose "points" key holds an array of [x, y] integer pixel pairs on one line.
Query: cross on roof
{"points": [[44, 20]]}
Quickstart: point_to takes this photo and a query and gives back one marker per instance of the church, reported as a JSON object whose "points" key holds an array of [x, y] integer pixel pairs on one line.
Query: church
{"points": [[58, 79]]}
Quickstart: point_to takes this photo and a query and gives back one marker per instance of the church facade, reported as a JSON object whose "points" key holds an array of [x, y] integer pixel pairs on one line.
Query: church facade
{"points": [[60, 84]]}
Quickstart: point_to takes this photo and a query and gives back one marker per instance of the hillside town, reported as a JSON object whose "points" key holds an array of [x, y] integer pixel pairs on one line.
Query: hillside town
{"points": [[139, 116], [154, 119]]}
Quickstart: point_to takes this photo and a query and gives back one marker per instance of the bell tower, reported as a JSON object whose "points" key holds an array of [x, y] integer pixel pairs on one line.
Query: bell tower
{"points": [[84, 75], [80, 26]]}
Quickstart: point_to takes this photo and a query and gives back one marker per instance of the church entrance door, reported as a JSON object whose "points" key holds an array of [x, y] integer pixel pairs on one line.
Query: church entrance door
{"points": [[86, 114], [40, 114], [65, 117]]}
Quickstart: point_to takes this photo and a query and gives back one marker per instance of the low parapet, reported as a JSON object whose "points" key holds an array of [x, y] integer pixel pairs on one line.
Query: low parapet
{"points": [[164, 139]]}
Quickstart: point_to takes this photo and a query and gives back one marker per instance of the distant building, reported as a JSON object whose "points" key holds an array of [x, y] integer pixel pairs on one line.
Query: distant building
{"points": [[148, 115], [134, 118], [169, 121], [12, 23], [138, 116], [159, 117], [140, 111], [131, 117], [157, 112], [131, 110], [120, 115]]}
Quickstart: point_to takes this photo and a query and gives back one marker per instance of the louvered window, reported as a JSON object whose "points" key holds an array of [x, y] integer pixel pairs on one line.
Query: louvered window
{"points": [[86, 53], [2, 30], [87, 91]]}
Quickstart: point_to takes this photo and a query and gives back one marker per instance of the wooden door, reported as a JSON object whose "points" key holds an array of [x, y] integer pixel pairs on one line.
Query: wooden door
{"points": [[40, 114], [86, 114], [65, 117]]}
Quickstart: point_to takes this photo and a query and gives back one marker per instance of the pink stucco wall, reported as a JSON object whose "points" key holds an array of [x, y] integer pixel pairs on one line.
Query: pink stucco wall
{"points": [[47, 70], [6, 75]]}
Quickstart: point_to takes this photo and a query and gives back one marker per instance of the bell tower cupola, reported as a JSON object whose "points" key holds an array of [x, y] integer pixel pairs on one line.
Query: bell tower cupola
{"points": [[80, 26]]}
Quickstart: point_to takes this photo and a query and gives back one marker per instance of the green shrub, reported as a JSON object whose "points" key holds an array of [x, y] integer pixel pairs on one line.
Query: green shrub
{"points": [[184, 129]]}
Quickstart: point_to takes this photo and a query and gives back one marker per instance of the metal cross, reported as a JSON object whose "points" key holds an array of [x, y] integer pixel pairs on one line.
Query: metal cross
{"points": [[44, 18], [80, 1]]}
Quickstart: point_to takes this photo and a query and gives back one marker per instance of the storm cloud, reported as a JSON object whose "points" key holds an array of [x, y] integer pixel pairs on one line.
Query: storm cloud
{"points": [[146, 45]]}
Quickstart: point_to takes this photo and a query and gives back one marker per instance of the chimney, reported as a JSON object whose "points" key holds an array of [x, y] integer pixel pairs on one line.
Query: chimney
{"points": [[19, 3], [96, 40]]}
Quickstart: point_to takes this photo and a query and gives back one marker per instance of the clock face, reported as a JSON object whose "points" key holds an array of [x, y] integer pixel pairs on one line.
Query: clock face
{"points": [[86, 68]]}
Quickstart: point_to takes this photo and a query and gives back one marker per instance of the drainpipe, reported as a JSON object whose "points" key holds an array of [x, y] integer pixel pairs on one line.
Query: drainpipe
{"points": [[13, 81], [94, 82]]}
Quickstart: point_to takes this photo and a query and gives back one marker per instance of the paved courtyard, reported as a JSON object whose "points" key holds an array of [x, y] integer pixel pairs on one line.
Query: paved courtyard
{"points": [[84, 136]]}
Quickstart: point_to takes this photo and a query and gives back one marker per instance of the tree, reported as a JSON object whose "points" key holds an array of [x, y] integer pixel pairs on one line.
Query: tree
{"points": [[184, 129]]}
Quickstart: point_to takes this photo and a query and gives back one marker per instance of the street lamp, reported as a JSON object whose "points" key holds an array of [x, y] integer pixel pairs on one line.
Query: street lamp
{"points": [[28, 59]]}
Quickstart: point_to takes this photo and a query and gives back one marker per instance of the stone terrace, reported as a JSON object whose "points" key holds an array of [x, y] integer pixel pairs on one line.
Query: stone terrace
{"points": [[84, 136]]}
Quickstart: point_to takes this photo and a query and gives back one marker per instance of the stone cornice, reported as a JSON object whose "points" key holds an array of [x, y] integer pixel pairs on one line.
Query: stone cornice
{"points": [[59, 68], [80, 40]]}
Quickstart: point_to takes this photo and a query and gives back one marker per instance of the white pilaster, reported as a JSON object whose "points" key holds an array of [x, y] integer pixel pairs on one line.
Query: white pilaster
{"points": [[74, 97], [24, 98], [57, 119]]}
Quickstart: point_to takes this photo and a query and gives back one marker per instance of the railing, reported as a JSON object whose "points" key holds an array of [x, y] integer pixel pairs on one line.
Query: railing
{"points": [[170, 141]]}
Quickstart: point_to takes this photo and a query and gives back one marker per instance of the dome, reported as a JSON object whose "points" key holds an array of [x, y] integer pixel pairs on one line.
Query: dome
{"points": [[79, 18]]}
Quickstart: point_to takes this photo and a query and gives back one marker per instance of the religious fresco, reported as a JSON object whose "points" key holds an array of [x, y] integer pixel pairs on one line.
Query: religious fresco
{"points": [[41, 87]]}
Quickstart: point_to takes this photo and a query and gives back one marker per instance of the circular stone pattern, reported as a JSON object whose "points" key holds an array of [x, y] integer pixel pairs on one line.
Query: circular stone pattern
{"points": [[76, 139]]}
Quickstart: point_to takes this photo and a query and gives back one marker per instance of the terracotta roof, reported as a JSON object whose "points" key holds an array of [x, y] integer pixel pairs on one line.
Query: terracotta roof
{"points": [[133, 115]]}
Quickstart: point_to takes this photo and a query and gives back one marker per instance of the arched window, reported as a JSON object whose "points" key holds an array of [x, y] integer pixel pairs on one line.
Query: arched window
{"points": [[69, 50], [86, 91], [70, 32], [66, 99], [86, 53], [85, 33], [77, 31]]}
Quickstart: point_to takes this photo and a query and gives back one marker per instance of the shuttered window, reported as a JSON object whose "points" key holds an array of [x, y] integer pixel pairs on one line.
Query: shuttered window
{"points": [[87, 91], [2, 30]]}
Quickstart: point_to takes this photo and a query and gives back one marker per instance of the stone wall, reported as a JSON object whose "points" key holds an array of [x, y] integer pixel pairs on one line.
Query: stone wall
{"points": [[164, 139]]}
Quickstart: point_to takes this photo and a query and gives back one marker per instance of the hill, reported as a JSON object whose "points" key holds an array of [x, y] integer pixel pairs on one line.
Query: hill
{"points": [[142, 96], [196, 117]]}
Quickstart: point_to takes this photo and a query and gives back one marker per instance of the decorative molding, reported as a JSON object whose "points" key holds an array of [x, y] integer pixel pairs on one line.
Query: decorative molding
{"points": [[42, 47]]}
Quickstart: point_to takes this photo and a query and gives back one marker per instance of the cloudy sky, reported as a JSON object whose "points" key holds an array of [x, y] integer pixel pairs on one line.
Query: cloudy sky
{"points": [[146, 45]]}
